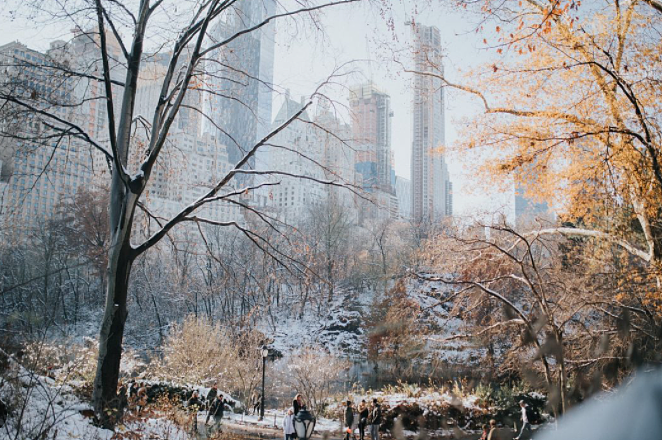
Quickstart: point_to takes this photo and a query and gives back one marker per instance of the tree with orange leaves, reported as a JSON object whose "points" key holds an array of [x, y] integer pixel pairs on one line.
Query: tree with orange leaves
{"points": [[570, 111]]}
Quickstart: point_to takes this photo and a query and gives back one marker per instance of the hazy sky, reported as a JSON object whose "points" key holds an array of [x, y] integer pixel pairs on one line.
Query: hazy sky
{"points": [[358, 33]]}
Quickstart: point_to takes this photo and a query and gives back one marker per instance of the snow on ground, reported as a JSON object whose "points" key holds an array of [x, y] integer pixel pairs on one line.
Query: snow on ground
{"points": [[42, 408], [274, 419], [340, 327]]}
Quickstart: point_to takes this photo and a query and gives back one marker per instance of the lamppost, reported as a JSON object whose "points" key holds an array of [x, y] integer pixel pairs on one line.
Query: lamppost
{"points": [[304, 424], [265, 354]]}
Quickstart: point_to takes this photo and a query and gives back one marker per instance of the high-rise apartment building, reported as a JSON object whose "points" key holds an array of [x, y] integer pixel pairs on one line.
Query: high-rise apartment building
{"points": [[403, 192], [41, 165], [240, 75], [371, 129], [429, 173], [297, 149]]}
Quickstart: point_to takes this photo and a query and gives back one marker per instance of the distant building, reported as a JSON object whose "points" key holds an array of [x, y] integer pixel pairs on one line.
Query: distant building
{"points": [[240, 75], [449, 198], [150, 83], [403, 192], [297, 149], [371, 129], [429, 172], [41, 167], [528, 213], [187, 173], [339, 158]]}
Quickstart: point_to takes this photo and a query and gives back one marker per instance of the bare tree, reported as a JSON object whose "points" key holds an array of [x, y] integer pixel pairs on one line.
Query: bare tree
{"points": [[546, 304]]}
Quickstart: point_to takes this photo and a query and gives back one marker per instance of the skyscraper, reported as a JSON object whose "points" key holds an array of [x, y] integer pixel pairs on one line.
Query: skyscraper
{"points": [[41, 166], [241, 76], [371, 128], [429, 173]]}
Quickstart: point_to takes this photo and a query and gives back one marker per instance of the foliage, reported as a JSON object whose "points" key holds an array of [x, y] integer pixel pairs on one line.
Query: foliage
{"points": [[546, 308], [571, 108], [395, 330], [200, 352], [64, 361], [313, 372]]}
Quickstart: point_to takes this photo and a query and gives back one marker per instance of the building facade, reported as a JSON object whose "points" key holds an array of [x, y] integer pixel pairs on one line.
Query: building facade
{"points": [[240, 75], [297, 150], [429, 172], [403, 192], [42, 166], [371, 129]]}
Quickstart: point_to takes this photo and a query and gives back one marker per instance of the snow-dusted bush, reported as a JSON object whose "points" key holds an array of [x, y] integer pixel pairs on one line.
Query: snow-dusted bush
{"points": [[195, 351], [63, 361], [313, 373], [201, 352]]}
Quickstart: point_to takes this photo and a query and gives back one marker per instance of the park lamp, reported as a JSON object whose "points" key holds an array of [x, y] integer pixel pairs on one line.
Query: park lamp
{"points": [[304, 424], [265, 352]]}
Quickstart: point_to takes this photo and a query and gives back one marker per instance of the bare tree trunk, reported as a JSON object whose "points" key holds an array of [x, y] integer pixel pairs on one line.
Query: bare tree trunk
{"points": [[120, 260], [111, 334]]}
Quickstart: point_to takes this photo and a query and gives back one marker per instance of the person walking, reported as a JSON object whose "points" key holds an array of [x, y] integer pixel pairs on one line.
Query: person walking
{"points": [[288, 425], [217, 408], [211, 396], [525, 433], [375, 419], [257, 402], [298, 404], [193, 406], [363, 418], [349, 420], [493, 435], [485, 432]]}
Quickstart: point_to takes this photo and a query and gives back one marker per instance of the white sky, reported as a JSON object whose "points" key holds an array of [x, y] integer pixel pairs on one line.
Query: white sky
{"points": [[304, 58]]}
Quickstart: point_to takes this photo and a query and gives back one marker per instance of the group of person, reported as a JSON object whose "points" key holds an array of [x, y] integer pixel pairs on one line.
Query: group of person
{"points": [[133, 394], [214, 403], [368, 416], [298, 404], [490, 431]]}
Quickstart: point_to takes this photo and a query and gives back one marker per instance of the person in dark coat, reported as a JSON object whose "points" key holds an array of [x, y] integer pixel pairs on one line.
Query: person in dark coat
{"points": [[349, 420], [375, 419], [211, 396], [364, 412], [217, 408], [193, 405], [257, 403], [298, 404]]}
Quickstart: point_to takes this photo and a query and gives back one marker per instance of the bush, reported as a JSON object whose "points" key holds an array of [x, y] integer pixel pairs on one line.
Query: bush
{"points": [[67, 361], [313, 374], [200, 352]]}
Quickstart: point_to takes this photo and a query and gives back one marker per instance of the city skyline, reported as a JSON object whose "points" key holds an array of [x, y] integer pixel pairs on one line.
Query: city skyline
{"points": [[302, 61]]}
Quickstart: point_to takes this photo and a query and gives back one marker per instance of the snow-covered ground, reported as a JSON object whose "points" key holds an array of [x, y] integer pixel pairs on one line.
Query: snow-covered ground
{"points": [[340, 329], [41, 408], [273, 419]]}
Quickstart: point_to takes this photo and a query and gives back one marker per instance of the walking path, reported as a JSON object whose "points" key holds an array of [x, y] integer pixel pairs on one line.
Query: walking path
{"points": [[250, 428]]}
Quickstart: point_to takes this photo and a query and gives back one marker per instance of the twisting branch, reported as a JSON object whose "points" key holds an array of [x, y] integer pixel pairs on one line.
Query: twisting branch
{"points": [[646, 256], [222, 183]]}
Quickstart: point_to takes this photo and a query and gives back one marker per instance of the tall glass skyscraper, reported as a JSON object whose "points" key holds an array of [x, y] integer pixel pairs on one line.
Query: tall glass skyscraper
{"points": [[240, 77], [429, 174]]}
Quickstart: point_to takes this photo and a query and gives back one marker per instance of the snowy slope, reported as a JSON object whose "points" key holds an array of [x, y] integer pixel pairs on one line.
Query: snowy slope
{"points": [[340, 328]]}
